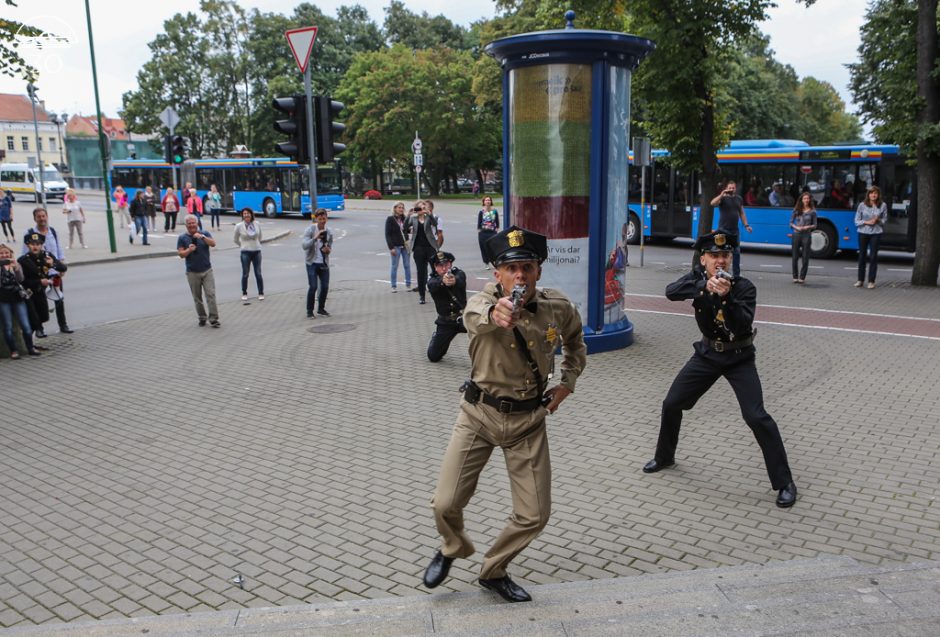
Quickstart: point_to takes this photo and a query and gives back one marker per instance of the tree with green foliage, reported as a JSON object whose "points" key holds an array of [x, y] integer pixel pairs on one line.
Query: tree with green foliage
{"points": [[423, 31], [393, 93], [899, 41], [11, 62], [821, 117]]}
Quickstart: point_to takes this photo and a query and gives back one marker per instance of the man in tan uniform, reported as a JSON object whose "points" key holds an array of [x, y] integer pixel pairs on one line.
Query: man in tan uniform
{"points": [[512, 350]]}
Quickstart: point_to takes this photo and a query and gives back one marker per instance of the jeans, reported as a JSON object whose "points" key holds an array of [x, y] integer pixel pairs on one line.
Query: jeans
{"points": [[141, 222], [400, 254], [868, 245], [800, 245], [7, 311], [215, 218], [318, 277], [252, 258], [200, 282], [8, 227]]}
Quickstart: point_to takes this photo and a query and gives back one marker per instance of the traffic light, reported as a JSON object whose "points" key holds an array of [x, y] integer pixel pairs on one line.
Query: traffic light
{"points": [[167, 150], [327, 129], [294, 126], [177, 150]]}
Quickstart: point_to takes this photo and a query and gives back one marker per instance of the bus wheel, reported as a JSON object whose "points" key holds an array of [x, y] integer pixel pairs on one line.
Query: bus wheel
{"points": [[824, 242], [270, 209], [633, 229]]}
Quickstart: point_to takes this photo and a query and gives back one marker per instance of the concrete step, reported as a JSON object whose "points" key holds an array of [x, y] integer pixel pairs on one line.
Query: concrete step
{"points": [[824, 596]]}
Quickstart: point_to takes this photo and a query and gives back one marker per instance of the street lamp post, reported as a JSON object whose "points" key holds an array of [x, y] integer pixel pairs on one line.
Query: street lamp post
{"points": [[31, 89], [61, 119]]}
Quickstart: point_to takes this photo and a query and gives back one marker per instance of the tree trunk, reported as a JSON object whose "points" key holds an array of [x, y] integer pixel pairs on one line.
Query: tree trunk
{"points": [[481, 181], [927, 257], [709, 178]]}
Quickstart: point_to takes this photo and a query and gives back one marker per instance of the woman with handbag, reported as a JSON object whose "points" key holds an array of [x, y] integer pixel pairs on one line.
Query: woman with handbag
{"points": [[13, 297], [170, 205]]}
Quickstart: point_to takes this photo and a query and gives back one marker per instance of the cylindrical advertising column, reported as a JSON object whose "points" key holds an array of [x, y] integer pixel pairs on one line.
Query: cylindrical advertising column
{"points": [[566, 119]]}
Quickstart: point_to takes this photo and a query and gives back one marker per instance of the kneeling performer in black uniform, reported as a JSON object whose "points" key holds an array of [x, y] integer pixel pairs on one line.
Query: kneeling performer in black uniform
{"points": [[724, 310], [448, 288]]}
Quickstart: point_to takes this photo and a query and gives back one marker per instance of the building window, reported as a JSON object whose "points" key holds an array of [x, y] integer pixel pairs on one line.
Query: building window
{"points": [[10, 145], [39, 144], [52, 144], [25, 142]]}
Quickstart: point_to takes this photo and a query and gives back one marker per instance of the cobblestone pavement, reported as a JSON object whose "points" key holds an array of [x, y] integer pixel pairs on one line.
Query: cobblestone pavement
{"points": [[144, 464]]}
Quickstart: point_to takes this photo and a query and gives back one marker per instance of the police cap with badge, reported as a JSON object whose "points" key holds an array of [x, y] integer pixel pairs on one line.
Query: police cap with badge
{"points": [[717, 241], [35, 237], [516, 244], [441, 257]]}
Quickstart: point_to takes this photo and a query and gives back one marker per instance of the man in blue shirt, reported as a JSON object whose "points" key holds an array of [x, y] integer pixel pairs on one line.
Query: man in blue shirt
{"points": [[193, 245]]}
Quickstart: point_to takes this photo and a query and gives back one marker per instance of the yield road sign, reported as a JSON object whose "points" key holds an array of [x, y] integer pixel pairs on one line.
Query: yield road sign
{"points": [[169, 117], [301, 44]]}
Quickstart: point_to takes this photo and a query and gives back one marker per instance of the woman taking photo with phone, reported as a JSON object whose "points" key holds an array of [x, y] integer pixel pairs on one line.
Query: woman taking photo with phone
{"points": [[802, 222]]}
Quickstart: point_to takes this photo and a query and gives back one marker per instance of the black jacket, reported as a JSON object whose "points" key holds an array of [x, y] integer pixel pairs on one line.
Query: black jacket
{"points": [[35, 269], [449, 301], [395, 236], [727, 319]]}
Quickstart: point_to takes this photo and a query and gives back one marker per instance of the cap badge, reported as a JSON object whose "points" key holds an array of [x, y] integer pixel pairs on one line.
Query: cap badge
{"points": [[440, 256], [516, 238], [720, 240]]}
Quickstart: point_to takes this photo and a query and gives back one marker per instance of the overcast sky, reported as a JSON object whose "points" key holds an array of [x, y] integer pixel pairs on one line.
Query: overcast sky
{"points": [[816, 41]]}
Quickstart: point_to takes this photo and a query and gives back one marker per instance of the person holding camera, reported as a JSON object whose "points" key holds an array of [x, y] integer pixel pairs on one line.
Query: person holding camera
{"points": [[448, 288], [13, 299], [514, 330], [317, 244], [724, 310], [193, 245], [730, 212]]}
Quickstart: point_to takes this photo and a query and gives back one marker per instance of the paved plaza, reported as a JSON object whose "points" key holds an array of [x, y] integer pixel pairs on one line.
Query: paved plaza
{"points": [[146, 464]]}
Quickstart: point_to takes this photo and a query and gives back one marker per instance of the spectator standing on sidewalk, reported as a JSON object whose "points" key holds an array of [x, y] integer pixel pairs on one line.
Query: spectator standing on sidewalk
{"points": [[6, 215], [424, 241], [317, 244], [170, 207], [120, 204], [39, 268], [214, 206], [802, 222], [194, 206], [870, 218], [396, 239], [193, 245], [487, 226], [73, 211], [13, 303], [150, 203], [248, 238], [139, 213], [730, 213], [51, 245], [724, 311]]}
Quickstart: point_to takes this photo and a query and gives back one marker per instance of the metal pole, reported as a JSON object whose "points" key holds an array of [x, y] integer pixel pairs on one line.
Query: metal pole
{"points": [[58, 125], [176, 187], [104, 160], [311, 150], [42, 182], [642, 209], [418, 173]]}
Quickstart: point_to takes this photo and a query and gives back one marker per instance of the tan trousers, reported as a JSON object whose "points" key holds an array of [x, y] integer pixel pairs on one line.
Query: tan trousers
{"points": [[524, 442], [199, 282]]}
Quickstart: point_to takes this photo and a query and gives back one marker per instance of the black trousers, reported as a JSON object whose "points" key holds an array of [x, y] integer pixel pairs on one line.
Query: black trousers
{"points": [[442, 336], [696, 378], [800, 245], [422, 256]]}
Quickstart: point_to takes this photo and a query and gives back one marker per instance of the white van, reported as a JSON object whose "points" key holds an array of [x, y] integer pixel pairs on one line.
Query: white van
{"points": [[20, 181]]}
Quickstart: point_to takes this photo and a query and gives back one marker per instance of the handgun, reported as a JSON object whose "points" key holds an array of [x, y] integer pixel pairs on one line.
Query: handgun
{"points": [[721, 274], [518, 293]]}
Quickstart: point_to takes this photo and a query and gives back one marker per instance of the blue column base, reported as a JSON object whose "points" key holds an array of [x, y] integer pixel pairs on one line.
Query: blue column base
{"points": [[614, 336]]}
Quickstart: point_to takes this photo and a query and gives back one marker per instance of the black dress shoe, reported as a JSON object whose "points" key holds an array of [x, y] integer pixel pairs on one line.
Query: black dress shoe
{"points": [[437, 570], [39, 334], [202, 322], [655, 465], [65, 329], [787, 496], [507, 589], [323, 313]]}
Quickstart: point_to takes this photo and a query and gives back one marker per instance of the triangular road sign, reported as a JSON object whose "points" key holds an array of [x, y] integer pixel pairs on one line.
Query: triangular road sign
{"points": [[301, 44]]}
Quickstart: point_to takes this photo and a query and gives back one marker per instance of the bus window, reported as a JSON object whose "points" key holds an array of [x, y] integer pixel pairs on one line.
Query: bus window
{"points": [[661, 184], [681, 189]]}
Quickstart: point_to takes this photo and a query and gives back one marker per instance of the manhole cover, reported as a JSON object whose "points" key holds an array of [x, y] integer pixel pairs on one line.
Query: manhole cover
{"points": [[331, 328]]}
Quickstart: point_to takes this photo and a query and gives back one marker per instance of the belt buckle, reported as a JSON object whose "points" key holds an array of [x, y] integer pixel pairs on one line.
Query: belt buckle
{"points": [[718, 346], [505, 407]]}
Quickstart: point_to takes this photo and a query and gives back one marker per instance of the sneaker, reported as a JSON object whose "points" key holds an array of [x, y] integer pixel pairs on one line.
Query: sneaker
{"points": [[14, 356], [244, 297], [414, 290], [35, 352], [260, 297], [322, 312], [394, 290], [131, 240], [84, 246], [858, 284], [311, 315], [39, 334], [202, 322], [421, 301], [216, 324], [871, 285]]}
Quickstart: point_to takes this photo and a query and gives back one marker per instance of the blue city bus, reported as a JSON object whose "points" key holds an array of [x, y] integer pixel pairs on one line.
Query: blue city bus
{"points": [[836, 176], [269, 186]]}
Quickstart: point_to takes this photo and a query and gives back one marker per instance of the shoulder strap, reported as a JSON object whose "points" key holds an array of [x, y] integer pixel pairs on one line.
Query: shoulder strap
{"points": [[524, 348]]}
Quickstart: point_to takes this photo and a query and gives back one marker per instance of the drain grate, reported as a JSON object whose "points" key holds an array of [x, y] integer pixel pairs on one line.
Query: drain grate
{"points": [[331, 328]]}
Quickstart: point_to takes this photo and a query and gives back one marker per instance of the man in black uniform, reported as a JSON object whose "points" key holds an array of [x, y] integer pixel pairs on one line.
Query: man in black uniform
{"points": [[724, 311], [448, 288]]}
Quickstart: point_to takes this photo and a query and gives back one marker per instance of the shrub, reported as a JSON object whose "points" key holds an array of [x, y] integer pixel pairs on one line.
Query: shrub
{"points": [[372, 194]]}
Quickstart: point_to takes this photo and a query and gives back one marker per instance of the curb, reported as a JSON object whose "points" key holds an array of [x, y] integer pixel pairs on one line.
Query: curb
{"points": [[155, 255]]}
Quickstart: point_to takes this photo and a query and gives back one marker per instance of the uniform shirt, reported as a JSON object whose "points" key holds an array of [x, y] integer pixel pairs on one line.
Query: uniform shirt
{"points": [[449, 301], [197, 261], [497, 365], [728, 318]]}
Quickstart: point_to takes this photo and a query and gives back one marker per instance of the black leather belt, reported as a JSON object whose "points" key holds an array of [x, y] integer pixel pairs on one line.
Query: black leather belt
{"points": [[728, 346], [509, 405]]}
